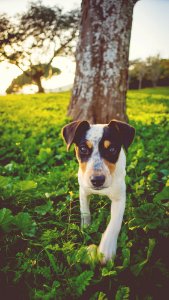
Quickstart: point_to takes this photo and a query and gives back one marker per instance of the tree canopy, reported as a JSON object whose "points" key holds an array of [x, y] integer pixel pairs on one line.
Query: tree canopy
{"points": [[36, 37]]}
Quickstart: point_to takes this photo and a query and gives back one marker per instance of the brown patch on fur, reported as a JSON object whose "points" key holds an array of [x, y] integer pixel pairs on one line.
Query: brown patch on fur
{"points": [[89, 144], [110, 165], [83, 166], [76, 150], [107, 144]]}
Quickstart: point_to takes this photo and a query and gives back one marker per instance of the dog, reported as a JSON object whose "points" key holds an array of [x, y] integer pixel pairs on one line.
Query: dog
{"points": [[100, 150]]}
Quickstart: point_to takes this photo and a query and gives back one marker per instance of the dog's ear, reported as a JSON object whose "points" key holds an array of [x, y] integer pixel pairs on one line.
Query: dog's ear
{"points": [[73, 130], [126, 132]]}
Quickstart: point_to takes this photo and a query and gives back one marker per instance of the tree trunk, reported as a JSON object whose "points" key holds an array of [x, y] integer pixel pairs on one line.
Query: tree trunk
{"points": [[140, 83], [99, 92], [154, 83], [40, 87], [39, 84]]}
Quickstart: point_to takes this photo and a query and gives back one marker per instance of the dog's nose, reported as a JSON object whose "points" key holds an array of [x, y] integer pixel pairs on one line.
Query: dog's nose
{"points": [[97, 181]]}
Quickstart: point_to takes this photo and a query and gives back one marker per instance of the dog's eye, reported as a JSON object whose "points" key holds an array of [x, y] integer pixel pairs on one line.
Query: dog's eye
{"points": [[84, 150], [112, 150]]}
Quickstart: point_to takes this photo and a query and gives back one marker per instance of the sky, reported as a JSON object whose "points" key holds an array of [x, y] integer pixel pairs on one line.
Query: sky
{"points": [[149, 35]]}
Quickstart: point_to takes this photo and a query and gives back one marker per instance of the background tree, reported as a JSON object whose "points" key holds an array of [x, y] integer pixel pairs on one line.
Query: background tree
{"points": [[154, 69], [36, 38], [140, 71], [17, 83], [99, 92], [164, 77]]}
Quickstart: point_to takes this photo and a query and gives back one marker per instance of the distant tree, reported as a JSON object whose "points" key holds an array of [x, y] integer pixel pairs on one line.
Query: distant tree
{"points": [[99, 92], [154, 69], [138, 69], [164, 76], [36, 38], [131, 72], [23, 79]]}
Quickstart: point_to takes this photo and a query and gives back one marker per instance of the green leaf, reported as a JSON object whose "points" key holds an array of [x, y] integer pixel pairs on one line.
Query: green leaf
{"points": [[44, 209], [165, 172], [52, 260], [102, 296], [81, 282], [164, 194], [106, 272], [4, 181], [92, 257], [6, 219], [25, 224], [123, 293], [151, 246], [26, 185], [44, 155], [137, 268], [126, 257]]}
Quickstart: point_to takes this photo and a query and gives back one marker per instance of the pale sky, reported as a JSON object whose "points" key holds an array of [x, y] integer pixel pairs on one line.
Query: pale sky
{"points": [[149, 36], [150, 29]]}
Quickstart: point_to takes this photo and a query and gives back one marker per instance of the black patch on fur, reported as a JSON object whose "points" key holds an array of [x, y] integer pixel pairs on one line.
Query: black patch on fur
{"points": [[112, 135], [81, 141], [126, 132], [73, 131]]}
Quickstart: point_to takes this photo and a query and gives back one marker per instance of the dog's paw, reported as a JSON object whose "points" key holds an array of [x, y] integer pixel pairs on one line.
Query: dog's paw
{"points": [[105, 254], [94, 256], [85, 220]]}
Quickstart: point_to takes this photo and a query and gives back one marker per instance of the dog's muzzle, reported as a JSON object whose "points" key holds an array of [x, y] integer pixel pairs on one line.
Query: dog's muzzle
{"points": [[97, 181]]}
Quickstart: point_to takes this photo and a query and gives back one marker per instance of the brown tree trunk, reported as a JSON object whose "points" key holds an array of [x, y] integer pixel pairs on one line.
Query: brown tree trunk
{"points": [[37, 80], [154, 82], [40, 87], [140, 83], [99, 92]]}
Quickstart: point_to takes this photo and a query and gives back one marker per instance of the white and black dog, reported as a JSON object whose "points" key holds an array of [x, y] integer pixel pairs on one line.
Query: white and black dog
{"points": [[100, 151]]}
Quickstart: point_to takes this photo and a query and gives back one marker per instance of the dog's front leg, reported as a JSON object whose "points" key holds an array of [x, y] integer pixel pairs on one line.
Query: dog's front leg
{"points": [[84, 208], [108, 243]]}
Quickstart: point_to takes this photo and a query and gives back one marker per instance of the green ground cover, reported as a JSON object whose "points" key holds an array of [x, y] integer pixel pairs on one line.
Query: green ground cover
{"points": [[43, 250]]}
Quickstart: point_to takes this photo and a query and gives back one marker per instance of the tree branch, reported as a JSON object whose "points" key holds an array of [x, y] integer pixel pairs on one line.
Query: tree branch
{"points": [[15, 63], [56, 52]]}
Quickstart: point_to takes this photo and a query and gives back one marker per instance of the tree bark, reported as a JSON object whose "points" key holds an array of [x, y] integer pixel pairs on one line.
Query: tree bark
{"points": [[99, 92], [39, 85]]}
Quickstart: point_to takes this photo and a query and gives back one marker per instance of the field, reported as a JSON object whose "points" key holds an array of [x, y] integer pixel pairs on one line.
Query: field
{"points": [[44, 252]]}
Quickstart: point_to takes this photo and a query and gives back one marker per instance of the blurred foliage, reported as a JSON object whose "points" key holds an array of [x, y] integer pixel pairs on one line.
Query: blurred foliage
{"points": [[44, 254], [150, 72]]}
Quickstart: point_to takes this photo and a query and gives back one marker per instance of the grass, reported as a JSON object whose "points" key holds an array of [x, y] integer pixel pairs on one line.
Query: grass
{"points": [[43, 250]]}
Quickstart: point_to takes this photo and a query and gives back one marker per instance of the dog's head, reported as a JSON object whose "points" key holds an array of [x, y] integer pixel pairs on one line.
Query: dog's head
{"points": [[97, 149]]}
